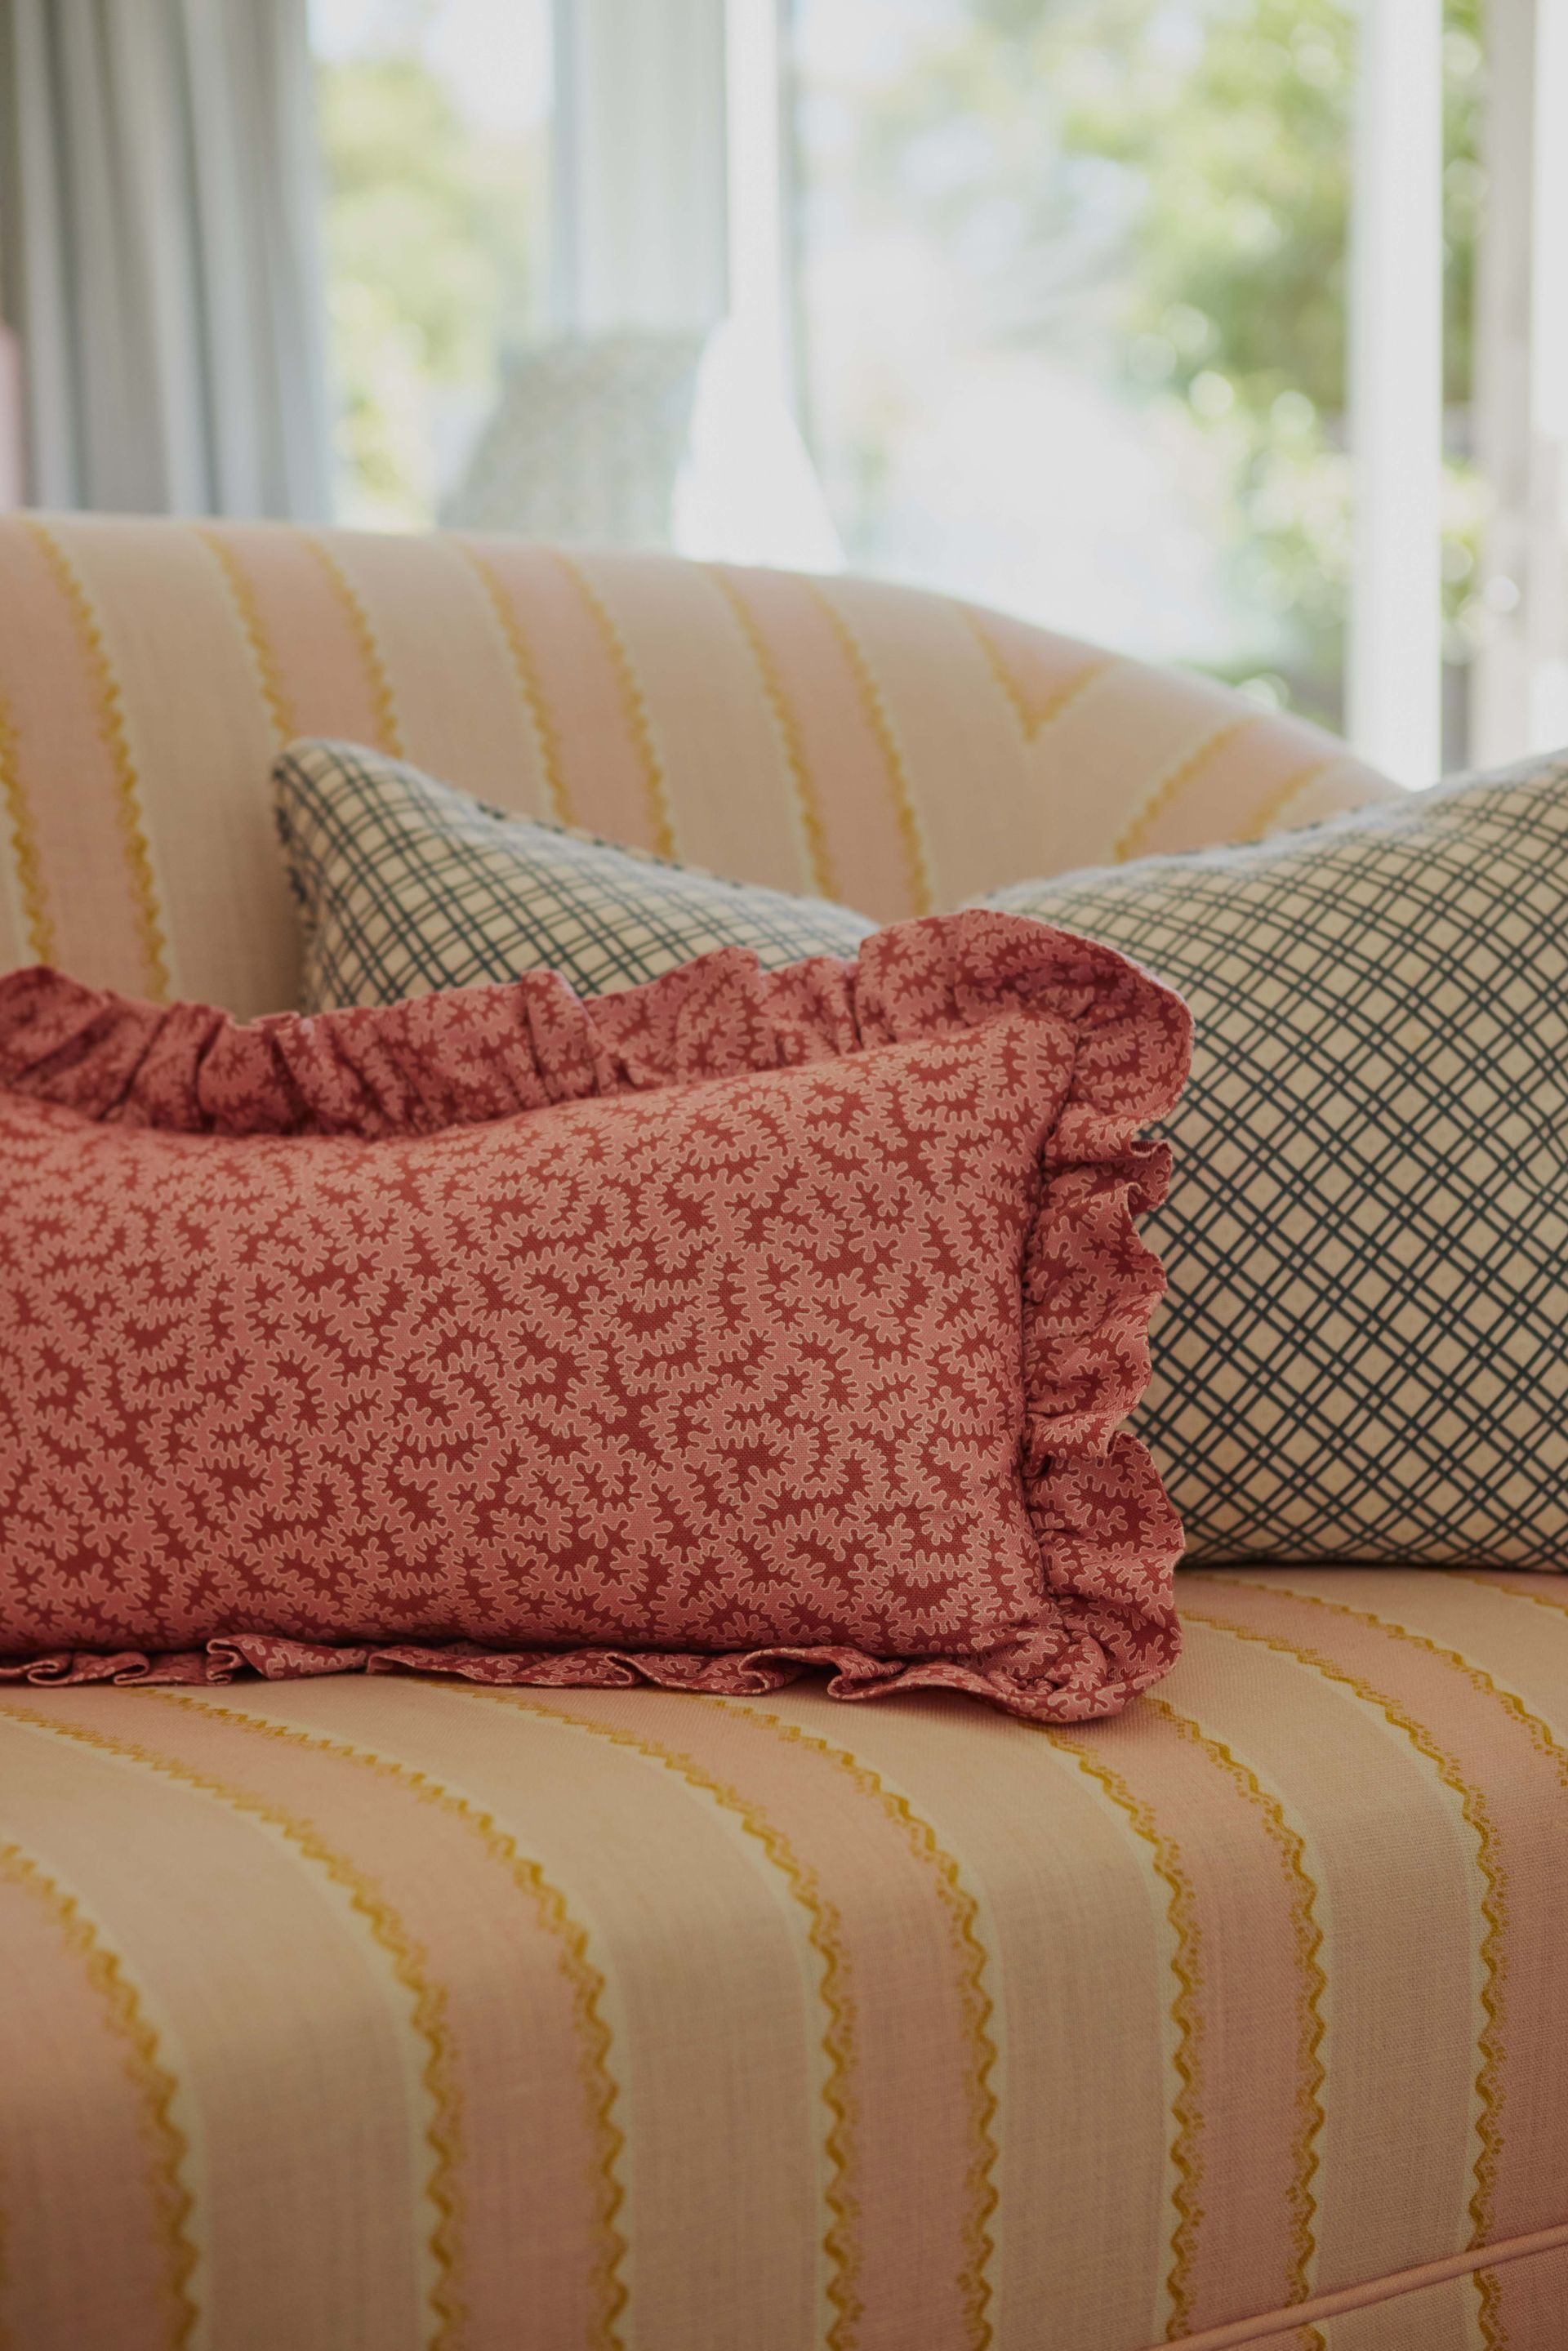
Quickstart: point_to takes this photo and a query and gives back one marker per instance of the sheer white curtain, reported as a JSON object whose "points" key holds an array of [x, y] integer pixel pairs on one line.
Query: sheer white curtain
{"points": [[159, 215]]}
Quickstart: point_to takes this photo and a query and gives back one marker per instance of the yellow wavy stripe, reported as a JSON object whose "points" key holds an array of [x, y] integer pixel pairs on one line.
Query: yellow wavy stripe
{"points": [[37, 926], [1478, 1819], [258, 644], [1187, 2015], [1507, 1590], [427, 1999], [113, 729], [600, 2091], [1031, 720], [153, 2084], [963, 1916], [1310, 2027], [825, 1934], [388, 729], [530, 684], [1291, 789], [809, 806], [1165, 789], [633, 703], [878, 719]]}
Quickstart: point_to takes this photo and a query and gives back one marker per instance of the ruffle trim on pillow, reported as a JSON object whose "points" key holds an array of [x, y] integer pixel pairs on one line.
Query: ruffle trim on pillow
{"points": [[472, 1054], [1109, 1538]]}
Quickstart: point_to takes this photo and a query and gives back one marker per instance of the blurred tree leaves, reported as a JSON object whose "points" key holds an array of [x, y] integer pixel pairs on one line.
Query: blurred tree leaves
{"points": [[432, 248]]}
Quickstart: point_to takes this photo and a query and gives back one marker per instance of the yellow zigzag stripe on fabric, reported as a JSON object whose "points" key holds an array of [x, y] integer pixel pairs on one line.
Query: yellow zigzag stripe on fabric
{"points": [[389, 731], [1478, 1818], [1032, 722], [1168, 785], [962, 1920], [878, 719], [1291, 789], [1507, 1590], [37, 928], [531, 685], [1310, 2029], [113, 729], [600, 2090], [1546, 1746], [153, 2084], [1186, 1966], [826, 1937], [269, 676], [634, 702], [427, 1999], [814, 830]]}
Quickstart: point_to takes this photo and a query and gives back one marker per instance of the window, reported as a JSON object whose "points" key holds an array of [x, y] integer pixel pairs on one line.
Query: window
{"points": [[434, 134], [1224, 332]]}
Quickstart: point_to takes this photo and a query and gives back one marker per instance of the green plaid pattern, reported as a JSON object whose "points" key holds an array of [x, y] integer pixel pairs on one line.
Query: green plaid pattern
{"points": [[1362, 1351], [406, 885]]}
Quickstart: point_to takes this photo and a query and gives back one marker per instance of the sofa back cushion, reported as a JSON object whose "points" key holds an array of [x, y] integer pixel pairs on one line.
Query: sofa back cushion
{"points": [[841, 737]]}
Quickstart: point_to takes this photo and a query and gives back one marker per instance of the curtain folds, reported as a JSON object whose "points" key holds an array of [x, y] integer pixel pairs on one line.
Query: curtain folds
{"points": [[159, 262]]}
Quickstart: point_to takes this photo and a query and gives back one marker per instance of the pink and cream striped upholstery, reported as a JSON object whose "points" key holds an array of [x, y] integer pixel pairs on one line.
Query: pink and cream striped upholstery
{"points": [[370, 2015], [373, 2015], [866, 742]]}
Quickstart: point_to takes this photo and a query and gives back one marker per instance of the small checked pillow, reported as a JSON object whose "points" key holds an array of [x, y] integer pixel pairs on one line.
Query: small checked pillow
{"points": [[1363, 1353], [406, 885]]}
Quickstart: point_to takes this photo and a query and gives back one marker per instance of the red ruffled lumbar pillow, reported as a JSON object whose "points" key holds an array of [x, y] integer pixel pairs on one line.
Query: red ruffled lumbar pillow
{"points": [[733, 1324]]}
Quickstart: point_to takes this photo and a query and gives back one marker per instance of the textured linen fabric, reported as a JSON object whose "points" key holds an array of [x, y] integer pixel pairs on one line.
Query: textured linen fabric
{"points": [[367, 2011], [719, 1327], [404, 885], [844, 737], [1362, 1352]]}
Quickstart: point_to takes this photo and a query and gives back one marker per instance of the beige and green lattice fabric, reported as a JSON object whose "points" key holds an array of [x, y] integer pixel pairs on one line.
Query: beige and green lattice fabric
{"points": [[838, 738]]}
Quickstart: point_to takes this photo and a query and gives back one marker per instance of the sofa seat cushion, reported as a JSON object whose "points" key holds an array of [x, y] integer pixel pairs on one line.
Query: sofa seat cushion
{"points": [[373, 2011]]}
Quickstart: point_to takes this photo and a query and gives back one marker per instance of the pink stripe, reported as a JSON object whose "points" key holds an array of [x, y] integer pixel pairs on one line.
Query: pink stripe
{"points": [[1245, 2331]]}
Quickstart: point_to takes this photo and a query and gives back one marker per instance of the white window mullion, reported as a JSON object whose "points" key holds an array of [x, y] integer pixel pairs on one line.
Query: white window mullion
{"points": [[638, 178], [1396, 391]]}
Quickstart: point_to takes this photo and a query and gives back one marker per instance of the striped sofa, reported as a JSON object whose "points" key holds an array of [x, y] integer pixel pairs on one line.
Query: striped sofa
{"points": [[369, 2015]]}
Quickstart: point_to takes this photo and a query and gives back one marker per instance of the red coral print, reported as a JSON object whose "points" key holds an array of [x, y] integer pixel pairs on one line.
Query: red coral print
{"points": [[734, 1325]]}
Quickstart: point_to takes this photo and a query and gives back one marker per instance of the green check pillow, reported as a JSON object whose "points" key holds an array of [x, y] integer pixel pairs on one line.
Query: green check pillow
{"points": [[405, 885], [1362, 1353]]}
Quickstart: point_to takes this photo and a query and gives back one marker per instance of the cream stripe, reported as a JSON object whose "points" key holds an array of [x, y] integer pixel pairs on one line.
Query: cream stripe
{"points": [[110, 710], [878, 719], [37, 928], [389, 731], [264, 659], [962, 1914], [1310, 2024], [1494, 1898], [825, 1934], [809, 806], [427, 2001], [154, 2086], [531, 685], [1164, 789], [634, 704], [554, 1916], [1032, 722], [1185, 2013]]}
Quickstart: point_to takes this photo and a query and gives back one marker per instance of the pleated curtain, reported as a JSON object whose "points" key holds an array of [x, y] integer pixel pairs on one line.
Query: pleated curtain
{"points": [[159, 251]]}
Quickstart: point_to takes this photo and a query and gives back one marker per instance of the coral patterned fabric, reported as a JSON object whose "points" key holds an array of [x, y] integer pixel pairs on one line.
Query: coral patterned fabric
{"points": [[730, 1324]]}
